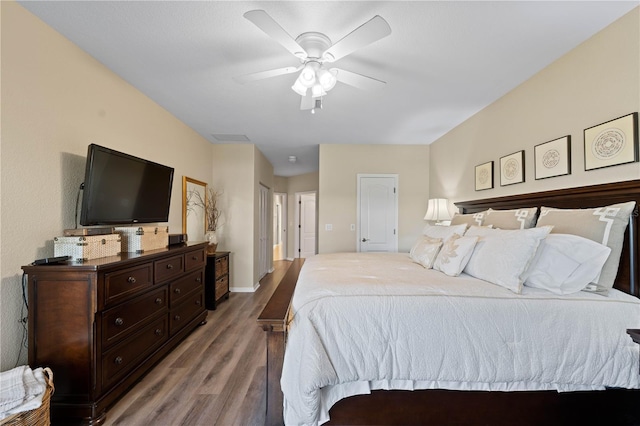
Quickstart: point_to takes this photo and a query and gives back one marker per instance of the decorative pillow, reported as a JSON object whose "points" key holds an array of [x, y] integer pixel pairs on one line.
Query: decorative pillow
{"points": [[469, 219], [566, 263], [604, 225], [455, 254], [444, 232], [425, 250], [502, 256], [511, 219]]}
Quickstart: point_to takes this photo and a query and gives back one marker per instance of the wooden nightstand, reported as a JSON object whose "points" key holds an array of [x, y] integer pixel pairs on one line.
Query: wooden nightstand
{"points": [[216, 279]]}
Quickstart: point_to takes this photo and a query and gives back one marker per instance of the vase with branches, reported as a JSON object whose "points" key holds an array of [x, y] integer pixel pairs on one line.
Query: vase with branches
{"points": [[209, 205]]}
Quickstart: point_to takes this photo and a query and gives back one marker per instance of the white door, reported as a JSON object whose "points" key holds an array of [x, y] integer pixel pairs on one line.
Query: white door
{"points": [[307, 224], [377, 213], [263, 231]]}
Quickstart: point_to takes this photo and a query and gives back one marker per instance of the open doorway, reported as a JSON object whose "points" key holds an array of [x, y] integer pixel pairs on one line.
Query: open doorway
{"points": [[279, 226]]}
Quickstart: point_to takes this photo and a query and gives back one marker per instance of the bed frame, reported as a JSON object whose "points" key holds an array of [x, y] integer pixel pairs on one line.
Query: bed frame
{"points": [[613, 406]]}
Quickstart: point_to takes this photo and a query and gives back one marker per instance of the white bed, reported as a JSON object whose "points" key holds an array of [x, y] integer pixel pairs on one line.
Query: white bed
{"points": [[348, 334]]}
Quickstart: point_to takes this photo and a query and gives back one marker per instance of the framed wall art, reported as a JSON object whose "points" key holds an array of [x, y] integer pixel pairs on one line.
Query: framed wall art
{"points": [[552, 158], [512, 168], [484, 176], [611, 143]]}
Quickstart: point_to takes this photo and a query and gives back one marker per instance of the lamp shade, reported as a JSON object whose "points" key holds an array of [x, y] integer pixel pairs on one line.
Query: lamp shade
{"points": [[438, 209], [299, 88]]}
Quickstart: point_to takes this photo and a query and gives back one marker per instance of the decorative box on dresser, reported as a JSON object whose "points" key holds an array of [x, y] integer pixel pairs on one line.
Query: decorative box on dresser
{"points": [[102, 324], [217, 278]]}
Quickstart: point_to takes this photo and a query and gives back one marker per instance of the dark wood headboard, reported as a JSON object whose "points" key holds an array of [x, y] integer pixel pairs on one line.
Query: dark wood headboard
{"points": [[583, 197]]}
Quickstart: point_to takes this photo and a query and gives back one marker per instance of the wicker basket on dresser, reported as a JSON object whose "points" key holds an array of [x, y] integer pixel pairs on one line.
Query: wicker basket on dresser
{"points": [[102, 324]]}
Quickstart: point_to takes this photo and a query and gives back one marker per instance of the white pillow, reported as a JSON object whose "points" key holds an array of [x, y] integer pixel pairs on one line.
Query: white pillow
{"points": [[425, 250], [566, 263], [455, 254], [502, 256], [444, 232]]}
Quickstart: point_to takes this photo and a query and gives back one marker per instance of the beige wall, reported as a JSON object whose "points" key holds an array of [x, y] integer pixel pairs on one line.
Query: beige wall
{"points": [[339, 165], [56, 100], [596, 82], [233, 174]]}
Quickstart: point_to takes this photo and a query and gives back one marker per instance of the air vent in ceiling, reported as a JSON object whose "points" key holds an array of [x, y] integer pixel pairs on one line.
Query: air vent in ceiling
{"points": [[230, 138]]}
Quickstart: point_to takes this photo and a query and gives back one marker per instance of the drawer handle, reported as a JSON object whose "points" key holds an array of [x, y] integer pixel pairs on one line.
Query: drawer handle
{"points": [[158, 332], [177, 318], [194, 257], [169, 266], [131, 280], [198, 302], [158, 301], [198, 280], [118, 360], [177, 291], [119, 321]]}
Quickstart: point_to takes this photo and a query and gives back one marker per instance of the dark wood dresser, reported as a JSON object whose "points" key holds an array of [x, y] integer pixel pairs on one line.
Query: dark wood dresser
{"points": [[217, 278], [102, 324]]}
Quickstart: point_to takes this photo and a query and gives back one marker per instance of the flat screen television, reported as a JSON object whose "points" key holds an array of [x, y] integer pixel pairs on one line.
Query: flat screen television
{"points": [[121, 189]]}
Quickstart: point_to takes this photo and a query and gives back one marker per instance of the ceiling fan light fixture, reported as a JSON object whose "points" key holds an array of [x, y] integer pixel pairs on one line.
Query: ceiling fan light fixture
{"points": [[317, 90], [327, 79], [307, 76], [299, 88]]}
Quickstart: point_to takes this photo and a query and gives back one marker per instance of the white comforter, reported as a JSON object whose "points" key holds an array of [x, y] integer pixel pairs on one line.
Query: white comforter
{"points": [[364, 321]]}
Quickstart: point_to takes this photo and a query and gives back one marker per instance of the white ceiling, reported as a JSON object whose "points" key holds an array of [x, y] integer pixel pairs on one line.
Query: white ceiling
{"points": [[443, 62]]}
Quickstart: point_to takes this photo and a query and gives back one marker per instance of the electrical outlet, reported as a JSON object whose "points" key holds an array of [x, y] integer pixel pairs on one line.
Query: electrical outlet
{"points": [[328, 227], [353, 227]]}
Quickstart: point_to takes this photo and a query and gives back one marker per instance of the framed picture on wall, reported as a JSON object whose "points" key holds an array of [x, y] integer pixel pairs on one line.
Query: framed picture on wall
{"points": [[512, 168], [484, 176], [611, 143], [552, 158]]}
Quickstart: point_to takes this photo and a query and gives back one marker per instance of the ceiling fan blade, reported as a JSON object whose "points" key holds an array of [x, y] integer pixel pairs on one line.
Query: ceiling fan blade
{"points": [[357, 80], [307, 102], [367, 33], [266, 23], [265, 74]]}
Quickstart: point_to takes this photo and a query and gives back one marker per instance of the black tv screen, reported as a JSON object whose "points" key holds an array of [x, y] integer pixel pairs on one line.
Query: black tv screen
{"points": [[122, 189]]}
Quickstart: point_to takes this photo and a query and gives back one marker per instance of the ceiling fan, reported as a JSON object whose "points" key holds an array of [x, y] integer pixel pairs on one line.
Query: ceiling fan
{"points": [[315, 51]]}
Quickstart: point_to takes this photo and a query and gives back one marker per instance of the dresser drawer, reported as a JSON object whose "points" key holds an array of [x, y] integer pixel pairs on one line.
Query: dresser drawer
{"points": [[126, 356], [168, 268], [180, 316], [181, 288], [194, 259], [119, 321], [127, 282], [222, 286]]}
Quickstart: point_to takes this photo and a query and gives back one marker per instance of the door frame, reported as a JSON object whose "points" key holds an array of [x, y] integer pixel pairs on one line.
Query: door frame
{"points": [[284, 225], [265, 247], [359, 177], [296, 241]]}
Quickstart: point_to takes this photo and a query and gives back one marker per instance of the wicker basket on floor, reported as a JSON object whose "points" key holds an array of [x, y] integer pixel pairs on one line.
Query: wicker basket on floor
{"points": [[38, 417]]}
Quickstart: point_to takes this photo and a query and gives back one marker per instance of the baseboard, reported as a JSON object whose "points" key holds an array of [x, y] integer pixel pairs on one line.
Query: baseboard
{"points": [[244, 289]]}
